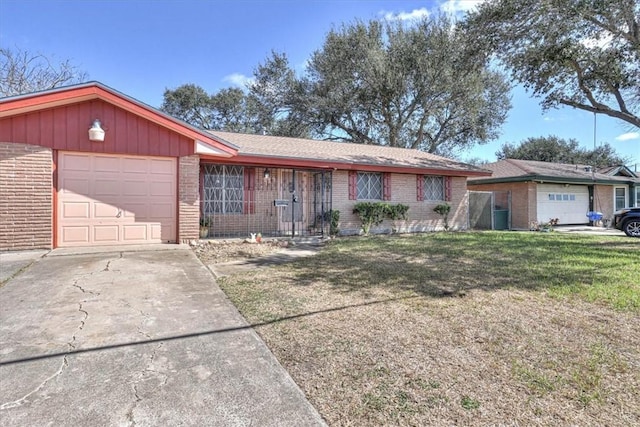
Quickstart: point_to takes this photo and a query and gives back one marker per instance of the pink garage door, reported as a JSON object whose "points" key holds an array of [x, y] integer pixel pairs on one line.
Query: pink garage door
{"points": [[107, 199]]}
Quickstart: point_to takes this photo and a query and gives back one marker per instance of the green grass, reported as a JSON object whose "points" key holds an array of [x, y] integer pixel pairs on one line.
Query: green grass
{"points": [[457, 328], [595, 268], [469, 403]]}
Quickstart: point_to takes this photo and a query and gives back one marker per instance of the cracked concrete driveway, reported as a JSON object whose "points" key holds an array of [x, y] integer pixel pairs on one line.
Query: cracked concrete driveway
{"points": [[135, 338]]}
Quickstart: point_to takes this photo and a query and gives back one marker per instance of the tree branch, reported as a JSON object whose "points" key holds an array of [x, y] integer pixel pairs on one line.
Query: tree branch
{"points": [[583, 87], [603, 109]]}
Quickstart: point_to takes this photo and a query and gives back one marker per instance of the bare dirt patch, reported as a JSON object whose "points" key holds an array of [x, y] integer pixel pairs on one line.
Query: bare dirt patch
{"points": [[221, 251], [410, 331]]}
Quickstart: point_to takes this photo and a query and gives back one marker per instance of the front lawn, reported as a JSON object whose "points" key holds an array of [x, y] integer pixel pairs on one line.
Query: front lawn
{"points": [[494, 328]]}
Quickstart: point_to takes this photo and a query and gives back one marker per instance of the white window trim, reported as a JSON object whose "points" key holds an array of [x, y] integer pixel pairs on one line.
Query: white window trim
{"points": [[626, 196]]}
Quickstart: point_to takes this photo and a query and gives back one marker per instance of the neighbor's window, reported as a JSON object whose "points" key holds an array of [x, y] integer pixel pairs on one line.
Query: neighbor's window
{"points": [[369, 186], [433, 187], [621, 198], [223, 189]]}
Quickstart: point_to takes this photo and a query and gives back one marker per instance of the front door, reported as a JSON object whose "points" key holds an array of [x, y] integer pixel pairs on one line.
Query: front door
{"points": [[293, 220]]}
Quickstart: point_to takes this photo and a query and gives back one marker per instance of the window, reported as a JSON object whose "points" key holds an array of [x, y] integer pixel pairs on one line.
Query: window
{"points": [[620, 198], [223, 189], [562, 197], [638, 197], [433, 187], [369, 186]]}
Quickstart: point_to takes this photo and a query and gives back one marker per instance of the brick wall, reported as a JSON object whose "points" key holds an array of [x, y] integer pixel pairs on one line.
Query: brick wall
{"points": [[188, 198], [523, 201], [403, 190], [603, 201], [26, 200]]}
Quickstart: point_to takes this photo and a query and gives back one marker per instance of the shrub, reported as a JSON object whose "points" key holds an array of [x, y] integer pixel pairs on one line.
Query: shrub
{"points": [[205, 221], [373, 213], [397, 212], [370, 213], [443, 210], [334, 219]]}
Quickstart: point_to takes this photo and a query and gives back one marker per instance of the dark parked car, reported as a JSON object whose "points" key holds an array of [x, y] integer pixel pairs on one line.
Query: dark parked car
{"points": [[628, 220]]}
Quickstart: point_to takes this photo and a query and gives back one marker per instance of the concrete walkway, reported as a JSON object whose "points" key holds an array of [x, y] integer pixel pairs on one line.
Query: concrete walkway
{"points": [[133, 337], [587, 229]]}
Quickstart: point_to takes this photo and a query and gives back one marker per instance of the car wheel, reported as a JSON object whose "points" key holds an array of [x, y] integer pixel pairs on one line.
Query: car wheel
{"points": [[632, 228]]}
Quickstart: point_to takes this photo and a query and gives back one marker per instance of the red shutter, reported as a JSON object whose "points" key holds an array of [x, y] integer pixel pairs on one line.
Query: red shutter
{"points": [[386, 186], [447, 188], [249, 190], [353, 185], [419, 188], [201, 190]]}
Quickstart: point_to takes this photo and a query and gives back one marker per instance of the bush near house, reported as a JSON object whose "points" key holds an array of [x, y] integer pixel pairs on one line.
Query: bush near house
{"points": [[373, 213]]}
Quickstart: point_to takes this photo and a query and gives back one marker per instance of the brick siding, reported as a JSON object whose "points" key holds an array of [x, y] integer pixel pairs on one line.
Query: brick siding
{"points": [[524, 201], [421, 216], [188, 198], [26, 200], [603, 201]]}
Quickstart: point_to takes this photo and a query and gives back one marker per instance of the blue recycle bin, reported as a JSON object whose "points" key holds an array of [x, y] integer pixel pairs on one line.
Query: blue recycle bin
{"points": [[594, 216]]}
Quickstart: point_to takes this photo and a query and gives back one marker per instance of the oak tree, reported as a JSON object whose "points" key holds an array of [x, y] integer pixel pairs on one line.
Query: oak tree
{"points": [[419, 86], [557, 150], [579, 53]]}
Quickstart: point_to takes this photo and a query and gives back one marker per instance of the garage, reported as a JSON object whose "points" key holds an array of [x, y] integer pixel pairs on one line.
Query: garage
{"points": [[115, 199], [568, 203], [86, 165]]}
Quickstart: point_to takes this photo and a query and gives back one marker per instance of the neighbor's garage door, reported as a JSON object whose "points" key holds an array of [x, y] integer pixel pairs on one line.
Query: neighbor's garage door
{"points": [[108, 199], [569, 204]]}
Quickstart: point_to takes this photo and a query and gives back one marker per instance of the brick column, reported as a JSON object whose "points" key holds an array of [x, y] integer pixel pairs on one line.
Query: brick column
{"points": [[26, 200], [188, 198]]}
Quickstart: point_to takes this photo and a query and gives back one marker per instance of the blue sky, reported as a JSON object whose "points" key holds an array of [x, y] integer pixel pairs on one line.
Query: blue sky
{"points": [[142, 47]]}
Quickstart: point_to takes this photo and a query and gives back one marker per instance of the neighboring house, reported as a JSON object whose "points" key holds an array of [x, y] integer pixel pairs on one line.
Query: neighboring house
{"points": [[154, 177], [541, 191]]}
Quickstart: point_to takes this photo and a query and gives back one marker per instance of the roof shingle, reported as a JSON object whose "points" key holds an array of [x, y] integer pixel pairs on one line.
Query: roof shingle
{"points": [[517, 169], [277, 147]]}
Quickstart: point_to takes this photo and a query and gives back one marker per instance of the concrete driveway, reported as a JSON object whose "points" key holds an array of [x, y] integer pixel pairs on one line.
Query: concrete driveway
{"points": [[142, 338]]}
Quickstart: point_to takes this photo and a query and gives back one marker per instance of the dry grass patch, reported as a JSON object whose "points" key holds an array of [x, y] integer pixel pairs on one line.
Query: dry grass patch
{"points": [[457, 329], [221, 251]]}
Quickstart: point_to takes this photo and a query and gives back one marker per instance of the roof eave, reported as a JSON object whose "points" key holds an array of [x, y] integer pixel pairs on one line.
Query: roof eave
{"points": [[282, 161], [549, 179]]}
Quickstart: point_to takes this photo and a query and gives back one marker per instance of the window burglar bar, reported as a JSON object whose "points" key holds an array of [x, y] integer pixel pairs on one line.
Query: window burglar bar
{"points": [[241, 200], [223, 189], [433, 188], [369, 186]]}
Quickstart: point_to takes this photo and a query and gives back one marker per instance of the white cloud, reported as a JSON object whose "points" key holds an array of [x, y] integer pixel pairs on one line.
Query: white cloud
{"points": [[555, 118], [405, 16], [453, 7], [628, 136], [237, 79]]}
